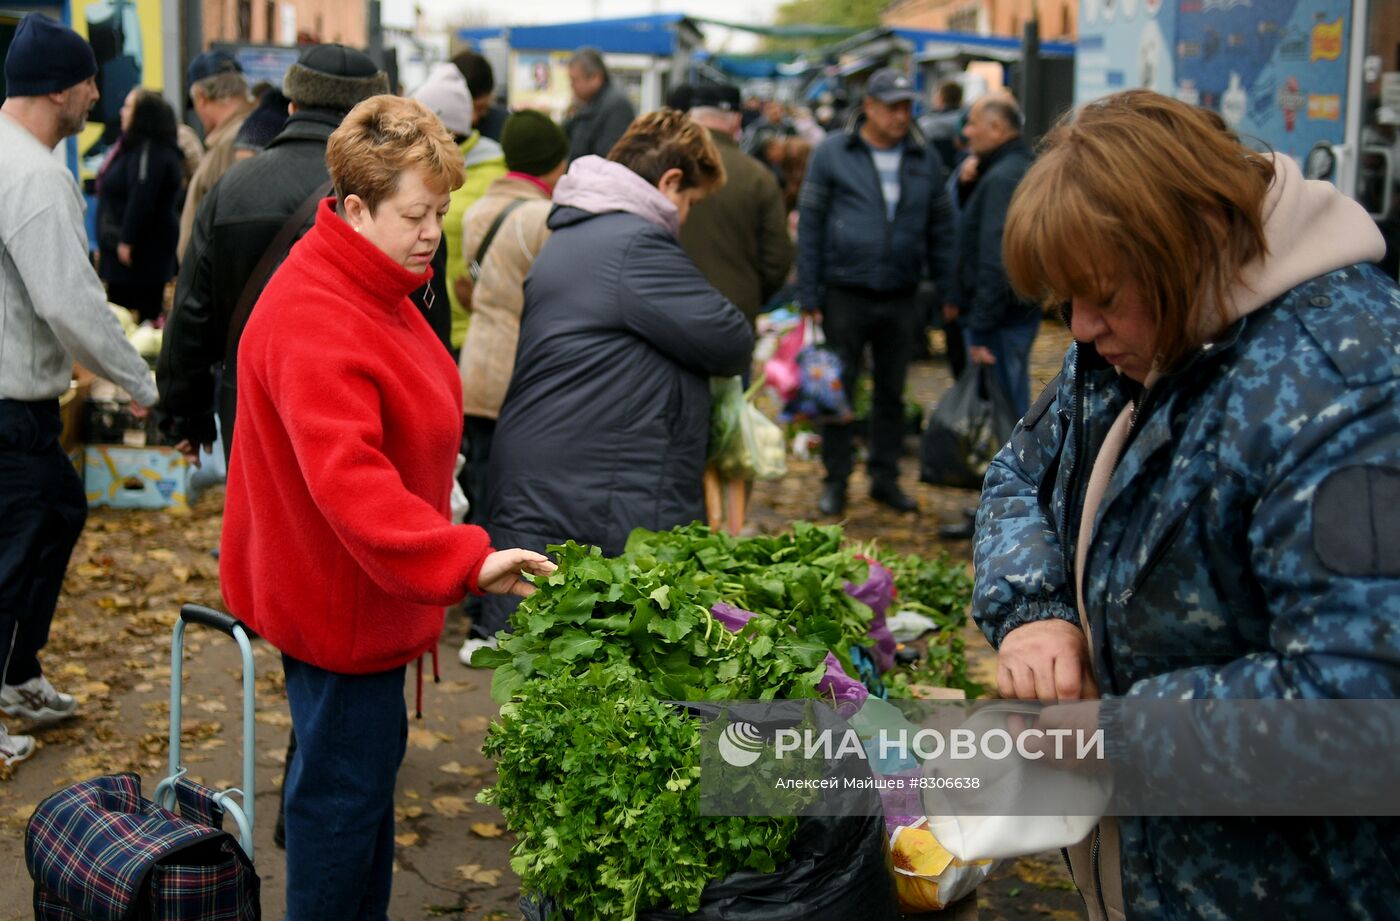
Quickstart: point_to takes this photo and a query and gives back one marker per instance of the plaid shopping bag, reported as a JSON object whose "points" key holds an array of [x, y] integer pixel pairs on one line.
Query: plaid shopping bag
{"points": [[99, 851]]}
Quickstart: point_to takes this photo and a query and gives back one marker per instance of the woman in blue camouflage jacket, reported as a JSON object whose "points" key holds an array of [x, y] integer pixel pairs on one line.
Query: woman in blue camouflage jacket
{"points": [[1203, 488]]}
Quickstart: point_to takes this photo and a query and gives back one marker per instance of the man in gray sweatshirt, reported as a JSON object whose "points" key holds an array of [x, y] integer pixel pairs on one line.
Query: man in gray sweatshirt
{"points": [[52, 309]]}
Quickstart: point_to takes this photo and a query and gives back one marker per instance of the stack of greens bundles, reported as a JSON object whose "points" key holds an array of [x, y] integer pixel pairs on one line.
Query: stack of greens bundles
{"points": [[597, 774], [598, 780]]}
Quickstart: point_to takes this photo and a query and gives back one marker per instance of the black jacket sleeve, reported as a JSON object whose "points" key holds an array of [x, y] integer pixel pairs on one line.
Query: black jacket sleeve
{"points": [[196, 334], [812, 203], [992, 296], [666, 301], [613, 122], [775, 244], [939, 241]]}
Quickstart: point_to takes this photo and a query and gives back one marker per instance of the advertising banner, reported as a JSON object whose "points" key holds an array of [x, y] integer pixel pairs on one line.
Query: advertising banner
{"points": [[1275, 70]]}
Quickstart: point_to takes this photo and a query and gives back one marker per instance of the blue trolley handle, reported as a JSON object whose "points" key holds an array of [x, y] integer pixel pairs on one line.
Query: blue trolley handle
{"points": [[241, 810]]}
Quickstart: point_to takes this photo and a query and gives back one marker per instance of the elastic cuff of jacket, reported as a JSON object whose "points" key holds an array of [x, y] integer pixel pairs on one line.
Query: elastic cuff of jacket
{"points": [[473, 577], [195, 429], [1115, 739], [1034, 612], [983, 338]]}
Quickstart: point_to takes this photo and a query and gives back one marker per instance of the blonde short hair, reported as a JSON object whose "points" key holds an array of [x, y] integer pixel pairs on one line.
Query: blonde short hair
{"points": [[380, 139], [1138, 186]]}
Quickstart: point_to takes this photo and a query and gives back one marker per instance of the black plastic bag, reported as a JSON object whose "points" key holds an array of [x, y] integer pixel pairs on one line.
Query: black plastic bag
{"points": [[967, 429], [837, 870]]}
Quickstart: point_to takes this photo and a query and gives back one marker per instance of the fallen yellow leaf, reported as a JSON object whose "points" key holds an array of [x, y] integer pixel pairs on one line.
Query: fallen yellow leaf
{"points": [[487, 829], [451, 806], [407, 839], [427, 739], [474, 873]]}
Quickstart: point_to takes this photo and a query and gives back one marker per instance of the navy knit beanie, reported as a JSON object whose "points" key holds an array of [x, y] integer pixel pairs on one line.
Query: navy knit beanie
{"points": [[46, 57]]}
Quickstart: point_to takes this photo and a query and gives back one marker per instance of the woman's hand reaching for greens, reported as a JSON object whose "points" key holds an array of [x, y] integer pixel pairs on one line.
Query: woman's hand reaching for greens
{"points": [[503, 571]]}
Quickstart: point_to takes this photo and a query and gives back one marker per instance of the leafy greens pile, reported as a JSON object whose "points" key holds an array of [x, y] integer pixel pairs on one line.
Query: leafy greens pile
{"points": [[650, 609], [598, 775]]}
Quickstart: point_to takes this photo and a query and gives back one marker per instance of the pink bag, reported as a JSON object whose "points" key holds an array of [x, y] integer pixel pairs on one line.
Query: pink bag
{"points": [[780, 372]]}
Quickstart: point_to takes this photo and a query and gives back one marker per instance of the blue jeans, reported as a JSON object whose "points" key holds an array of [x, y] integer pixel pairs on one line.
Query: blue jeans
{"points": [[351, 734], [1011, 346]]}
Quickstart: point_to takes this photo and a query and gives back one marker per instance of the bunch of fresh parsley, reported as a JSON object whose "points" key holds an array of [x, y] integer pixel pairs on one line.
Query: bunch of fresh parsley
{"points": [[598, 779]]}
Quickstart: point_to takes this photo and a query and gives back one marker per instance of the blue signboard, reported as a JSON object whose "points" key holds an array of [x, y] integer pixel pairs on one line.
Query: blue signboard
{"points": [[1124, 44], [1276, 70]]}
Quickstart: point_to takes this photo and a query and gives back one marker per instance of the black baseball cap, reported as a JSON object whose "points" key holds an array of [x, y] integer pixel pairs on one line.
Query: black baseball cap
{"points": [[889, 86], [715, 96], [210, 63]]}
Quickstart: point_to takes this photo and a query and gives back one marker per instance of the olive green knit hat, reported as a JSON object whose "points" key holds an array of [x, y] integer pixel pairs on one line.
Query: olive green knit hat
{"points": [[533, 144]]}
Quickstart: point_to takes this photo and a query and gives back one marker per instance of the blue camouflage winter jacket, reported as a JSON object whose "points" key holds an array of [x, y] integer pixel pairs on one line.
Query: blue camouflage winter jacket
{"points": [[1248, 547]]}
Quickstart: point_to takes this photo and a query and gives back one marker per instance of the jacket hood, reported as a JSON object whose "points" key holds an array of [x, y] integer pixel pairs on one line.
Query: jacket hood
{"points": [[1311, 229], [445, 93], [600, 186], [479, 149]]}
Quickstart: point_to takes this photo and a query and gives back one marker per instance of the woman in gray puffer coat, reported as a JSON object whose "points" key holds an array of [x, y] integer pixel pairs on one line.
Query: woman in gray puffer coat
{"points": [[606, 422]]}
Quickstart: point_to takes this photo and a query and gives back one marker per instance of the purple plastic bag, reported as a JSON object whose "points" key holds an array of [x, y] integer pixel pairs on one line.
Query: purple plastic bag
{"points": [[836, 684], [820, 395], [877, 592]]}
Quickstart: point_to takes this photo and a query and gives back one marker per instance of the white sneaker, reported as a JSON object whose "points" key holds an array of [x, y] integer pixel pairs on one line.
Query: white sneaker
{"points": [[14, 749], [472, 644], [37, 701]]}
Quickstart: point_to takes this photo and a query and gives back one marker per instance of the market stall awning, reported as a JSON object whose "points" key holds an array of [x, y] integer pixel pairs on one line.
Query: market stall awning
{"points": [[655, 35]]}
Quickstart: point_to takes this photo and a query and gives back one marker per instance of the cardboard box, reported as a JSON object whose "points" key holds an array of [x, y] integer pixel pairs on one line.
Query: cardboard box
{"points": [[112, 422], [124, 477]]}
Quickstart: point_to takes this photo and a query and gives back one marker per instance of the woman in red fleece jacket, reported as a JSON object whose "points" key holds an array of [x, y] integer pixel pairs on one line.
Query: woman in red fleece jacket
{"points": [[337, 546]]}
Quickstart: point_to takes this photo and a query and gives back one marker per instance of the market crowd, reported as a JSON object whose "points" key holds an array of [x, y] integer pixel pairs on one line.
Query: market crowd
{"points": [[380, 300]]}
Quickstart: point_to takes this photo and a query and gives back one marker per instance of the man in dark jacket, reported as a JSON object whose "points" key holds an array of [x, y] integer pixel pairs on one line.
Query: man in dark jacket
{"points": [[236, 223], [601, 112], [737, 235], [874, 217], [999, 326]]}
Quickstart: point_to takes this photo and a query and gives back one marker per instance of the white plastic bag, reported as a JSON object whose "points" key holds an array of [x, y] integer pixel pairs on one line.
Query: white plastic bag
{"points": [[460, 505], [744, 443], [1023, 786]]}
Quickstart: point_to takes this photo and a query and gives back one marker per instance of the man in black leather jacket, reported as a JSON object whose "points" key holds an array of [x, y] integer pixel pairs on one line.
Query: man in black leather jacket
{"points": [[236, 223]]}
